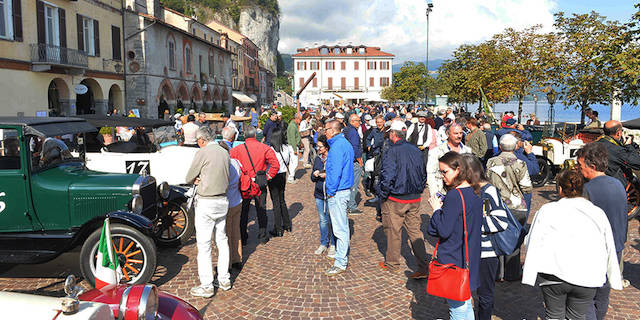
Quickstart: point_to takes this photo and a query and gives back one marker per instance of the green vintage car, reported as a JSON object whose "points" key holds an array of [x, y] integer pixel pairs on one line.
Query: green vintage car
{"points": [[51, 203]]}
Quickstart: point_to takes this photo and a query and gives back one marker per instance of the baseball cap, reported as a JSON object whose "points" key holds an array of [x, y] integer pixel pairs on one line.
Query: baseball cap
{"points": [[511, 121], [367, 117], [339, 115], [177, 115]]}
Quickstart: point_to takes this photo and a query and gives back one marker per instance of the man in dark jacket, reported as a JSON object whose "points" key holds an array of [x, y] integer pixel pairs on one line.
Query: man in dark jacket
{"points": [[351, 133], [622, 158], [402, 181], [269, 126]]}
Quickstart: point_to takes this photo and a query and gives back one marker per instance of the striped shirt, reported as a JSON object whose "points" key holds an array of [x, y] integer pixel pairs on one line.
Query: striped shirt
{"points": [[494, 218]]}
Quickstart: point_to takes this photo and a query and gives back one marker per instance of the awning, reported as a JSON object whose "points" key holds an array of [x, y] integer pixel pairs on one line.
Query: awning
{"points": [[243, 98]]}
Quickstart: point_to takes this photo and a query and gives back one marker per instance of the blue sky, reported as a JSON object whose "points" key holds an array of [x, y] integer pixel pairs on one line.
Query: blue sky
{"points": [[620, 10], [399, 26]]}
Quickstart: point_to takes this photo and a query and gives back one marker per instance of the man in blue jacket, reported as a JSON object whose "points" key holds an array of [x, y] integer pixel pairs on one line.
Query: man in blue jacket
{"points": [[338, 182], [352, 135], [402, 180], [269, 126], [512, 125]]}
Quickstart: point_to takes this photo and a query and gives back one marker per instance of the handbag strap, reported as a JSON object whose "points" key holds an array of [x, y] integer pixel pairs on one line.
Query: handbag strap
{"points": [[251, 161], [464, 222]]}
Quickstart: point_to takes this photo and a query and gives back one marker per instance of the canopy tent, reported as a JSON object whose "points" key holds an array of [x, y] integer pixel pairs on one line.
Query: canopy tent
{"points": [[243, 98]]}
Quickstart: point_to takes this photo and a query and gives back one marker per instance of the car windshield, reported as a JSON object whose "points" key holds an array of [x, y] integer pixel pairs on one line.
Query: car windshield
{"points": [[51, 151]]}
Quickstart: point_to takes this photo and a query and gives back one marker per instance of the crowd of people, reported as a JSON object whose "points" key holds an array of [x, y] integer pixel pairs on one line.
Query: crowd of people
{"points": [[479, 185]]}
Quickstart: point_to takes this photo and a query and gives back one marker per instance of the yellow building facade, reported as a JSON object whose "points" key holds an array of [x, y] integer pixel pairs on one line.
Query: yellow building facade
{"points": [[61, 57]]}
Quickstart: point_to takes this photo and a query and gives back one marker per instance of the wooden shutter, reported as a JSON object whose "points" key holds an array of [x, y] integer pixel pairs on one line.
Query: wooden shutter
{"points": [[40, 22], [343, 65], [330, 83], [315, 82], [115, 43], [62, 20], [371, 83], [356, 83], [80, 32], [375, 65], [96, 36], [343, 83], [355, 65], [16, 13], [301, 82]]}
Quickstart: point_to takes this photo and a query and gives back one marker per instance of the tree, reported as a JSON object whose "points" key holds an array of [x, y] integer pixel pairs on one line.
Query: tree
{"points": [[389, 94], [284, 83], [592, 53], [410, 82], [522, 52]]}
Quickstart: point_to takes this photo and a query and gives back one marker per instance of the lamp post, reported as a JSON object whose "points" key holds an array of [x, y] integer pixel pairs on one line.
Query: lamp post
{"points": [[535, 104], [426, 92], [551, 98]]}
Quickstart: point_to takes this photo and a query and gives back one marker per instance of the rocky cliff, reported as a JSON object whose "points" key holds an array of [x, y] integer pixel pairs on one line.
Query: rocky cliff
{"points": [[263, 28]]}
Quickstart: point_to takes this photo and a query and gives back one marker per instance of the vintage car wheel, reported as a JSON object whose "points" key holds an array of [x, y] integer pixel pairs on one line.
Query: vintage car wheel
{"points": [[633, 200], [543, 177], [177, 226], [136, 254]]}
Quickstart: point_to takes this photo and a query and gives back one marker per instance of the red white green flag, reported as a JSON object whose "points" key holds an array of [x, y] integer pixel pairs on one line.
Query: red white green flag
{"points": [[107, 267]]}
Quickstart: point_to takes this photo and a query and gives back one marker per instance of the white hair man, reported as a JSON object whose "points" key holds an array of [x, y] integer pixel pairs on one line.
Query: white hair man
{"points": [[453, 143], [210, 172], [235, 201]]}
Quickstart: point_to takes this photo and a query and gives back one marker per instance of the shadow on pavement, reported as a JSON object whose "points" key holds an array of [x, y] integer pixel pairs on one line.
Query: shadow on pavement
{"points": [[169, 264], [550, 195]]}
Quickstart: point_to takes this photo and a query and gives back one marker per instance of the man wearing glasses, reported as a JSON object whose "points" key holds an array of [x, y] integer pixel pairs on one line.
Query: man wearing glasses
{"points": [[339, 180], [351, 134]]}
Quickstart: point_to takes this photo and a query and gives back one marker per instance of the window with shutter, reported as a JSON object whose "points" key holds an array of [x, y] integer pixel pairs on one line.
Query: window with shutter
{"points": [[62, 26], [330, 83], [356, 65], [115, 43], [343, 83], [305, 65], [371, 82], [315, 82], [211, 65], [301, 82], [16, 10], [187, 57], [343, 65], [96, 38], [356, 83], [172, 55], [6, 25]]}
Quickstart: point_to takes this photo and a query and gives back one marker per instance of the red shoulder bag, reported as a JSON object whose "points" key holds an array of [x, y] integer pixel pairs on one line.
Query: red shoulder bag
{"points": [[448, 280]]}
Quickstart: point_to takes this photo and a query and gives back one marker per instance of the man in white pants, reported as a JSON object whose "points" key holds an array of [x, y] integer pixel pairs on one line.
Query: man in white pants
{"points": [[210, 171]]}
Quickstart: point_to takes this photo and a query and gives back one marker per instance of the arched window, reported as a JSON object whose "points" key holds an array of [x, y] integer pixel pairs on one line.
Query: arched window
{"points": [[172, 54], [187, 57]]}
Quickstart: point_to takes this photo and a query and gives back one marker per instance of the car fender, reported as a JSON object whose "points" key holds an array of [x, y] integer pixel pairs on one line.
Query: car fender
{"points": [[178, 193], [137, 221]]}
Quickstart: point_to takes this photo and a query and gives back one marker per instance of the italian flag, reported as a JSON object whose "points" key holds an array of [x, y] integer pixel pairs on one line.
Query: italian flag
{"points": [[107, 268]]}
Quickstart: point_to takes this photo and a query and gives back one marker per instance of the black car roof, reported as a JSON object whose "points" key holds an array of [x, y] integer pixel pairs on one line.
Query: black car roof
{"points": [[119, 121], [49, 126]]}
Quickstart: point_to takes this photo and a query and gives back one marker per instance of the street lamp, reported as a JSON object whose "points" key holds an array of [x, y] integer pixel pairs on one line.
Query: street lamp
{"points": [[426, 92], [551, 98]]}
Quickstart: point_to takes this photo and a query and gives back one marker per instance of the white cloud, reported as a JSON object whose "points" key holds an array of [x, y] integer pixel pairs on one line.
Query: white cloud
{"points": [[399, 26]]}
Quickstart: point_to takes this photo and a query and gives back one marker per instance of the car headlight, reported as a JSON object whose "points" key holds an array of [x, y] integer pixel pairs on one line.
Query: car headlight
{"points": [[137, 204], [139, 302], [164, 190]]}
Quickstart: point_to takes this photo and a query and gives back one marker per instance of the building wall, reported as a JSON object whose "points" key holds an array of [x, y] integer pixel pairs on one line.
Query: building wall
{"points": [[27, 91], [313, 94], [156, 79]]}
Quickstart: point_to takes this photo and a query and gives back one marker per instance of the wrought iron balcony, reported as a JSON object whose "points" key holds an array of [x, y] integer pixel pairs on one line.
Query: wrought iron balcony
{"points": [[44, 54], [344, 89]]}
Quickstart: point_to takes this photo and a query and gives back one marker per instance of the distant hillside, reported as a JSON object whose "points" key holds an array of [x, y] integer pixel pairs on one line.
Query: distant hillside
{"points": [[433, 65], [288, 62]]}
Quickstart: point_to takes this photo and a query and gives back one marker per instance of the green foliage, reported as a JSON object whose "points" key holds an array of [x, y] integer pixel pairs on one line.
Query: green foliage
{"points": [[233, 7], [107, 130], [262, 119], [284, 84], [410, 83], [288, 112]]}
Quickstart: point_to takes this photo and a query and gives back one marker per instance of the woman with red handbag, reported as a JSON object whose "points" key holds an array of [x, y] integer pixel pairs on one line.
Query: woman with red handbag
{"points": [[454, 271]]}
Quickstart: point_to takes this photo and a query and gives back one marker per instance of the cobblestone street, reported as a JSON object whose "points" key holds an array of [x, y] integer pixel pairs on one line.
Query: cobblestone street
{"points": [[283, 279]]}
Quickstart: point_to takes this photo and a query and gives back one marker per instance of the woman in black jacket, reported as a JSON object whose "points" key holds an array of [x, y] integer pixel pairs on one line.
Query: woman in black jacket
{"points": [[327, 240]]}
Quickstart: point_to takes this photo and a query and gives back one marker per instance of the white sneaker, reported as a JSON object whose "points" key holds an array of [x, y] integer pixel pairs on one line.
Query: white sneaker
{"points": [[202, 291], [292, 181], [320, 250], [332, 252], [226, 286]]}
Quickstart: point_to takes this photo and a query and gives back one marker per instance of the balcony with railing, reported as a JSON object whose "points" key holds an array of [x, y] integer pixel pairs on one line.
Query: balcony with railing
{"points": [[344, 89], [49, 55]]}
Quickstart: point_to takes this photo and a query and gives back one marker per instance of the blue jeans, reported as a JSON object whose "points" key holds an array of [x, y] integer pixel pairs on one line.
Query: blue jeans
{"points": [[326, 234], [340, 223], [461, 310], [357, 175]]}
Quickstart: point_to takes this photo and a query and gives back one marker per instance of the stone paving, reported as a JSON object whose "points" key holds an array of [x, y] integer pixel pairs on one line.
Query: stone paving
{"points": [[283, 279]]}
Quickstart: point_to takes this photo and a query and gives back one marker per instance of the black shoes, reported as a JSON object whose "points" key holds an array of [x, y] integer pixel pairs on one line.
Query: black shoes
{"points": [[276, 233], [262, 236], [237, 266], [288, 229]]}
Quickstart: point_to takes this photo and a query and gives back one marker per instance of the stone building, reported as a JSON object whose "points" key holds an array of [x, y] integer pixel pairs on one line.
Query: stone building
{"points": [[60, 57], [174, 61]]}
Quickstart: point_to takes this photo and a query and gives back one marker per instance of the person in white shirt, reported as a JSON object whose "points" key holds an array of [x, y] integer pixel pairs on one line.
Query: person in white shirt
{"points": [[305, 135], [450, 114], [453, 143], [228, 122], [570, 251], [190, 129]]}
